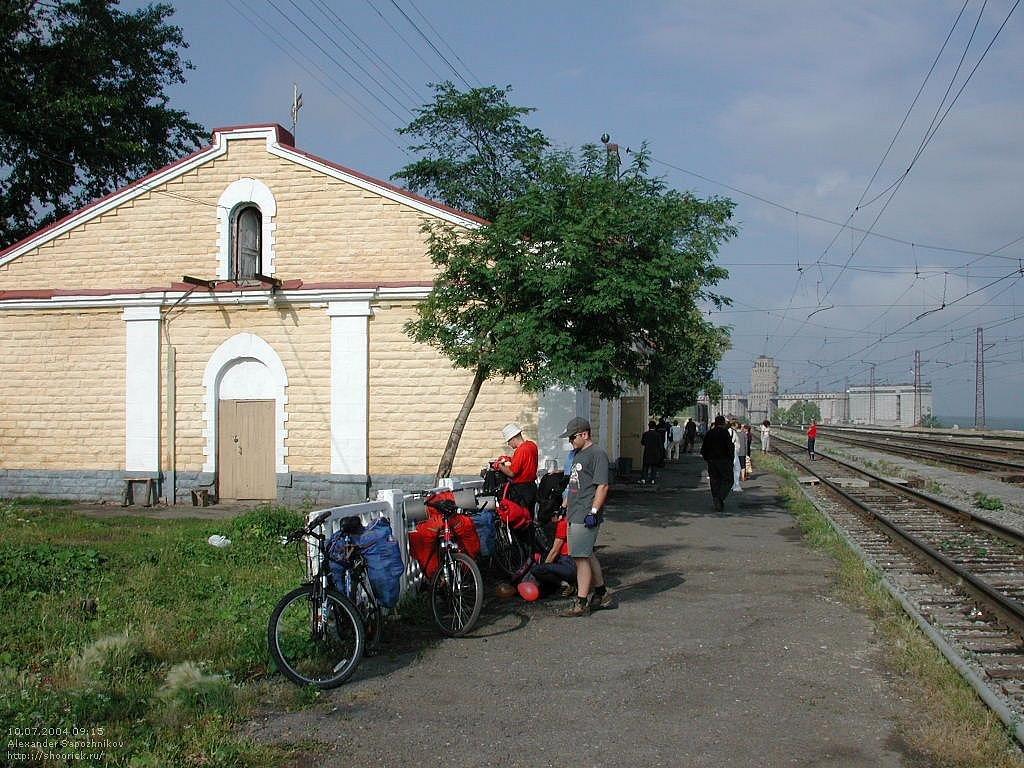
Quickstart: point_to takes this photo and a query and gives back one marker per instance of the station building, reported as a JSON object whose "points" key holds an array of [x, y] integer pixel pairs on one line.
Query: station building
{"points": [[234, 321]]}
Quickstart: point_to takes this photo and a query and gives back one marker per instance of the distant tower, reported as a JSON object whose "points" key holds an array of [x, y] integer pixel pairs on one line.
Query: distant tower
{"points": [[764, 386]]}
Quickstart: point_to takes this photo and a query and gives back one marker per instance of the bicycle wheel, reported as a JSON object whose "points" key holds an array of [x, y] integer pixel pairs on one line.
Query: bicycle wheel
{"points": [[457, 594], [510, 553], [315, 644], [369, 610]]}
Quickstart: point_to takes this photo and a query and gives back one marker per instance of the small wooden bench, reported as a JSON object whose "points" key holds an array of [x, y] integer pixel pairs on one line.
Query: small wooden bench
{"points": [[128, 499], [200, 497]]}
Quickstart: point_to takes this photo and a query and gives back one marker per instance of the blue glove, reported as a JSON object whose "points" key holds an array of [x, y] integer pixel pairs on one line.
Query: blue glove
{"points": [[591, 520]]}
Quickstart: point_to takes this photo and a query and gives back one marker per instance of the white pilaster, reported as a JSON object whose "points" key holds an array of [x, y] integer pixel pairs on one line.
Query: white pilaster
{"points": [[142, 389], [349, 386]]}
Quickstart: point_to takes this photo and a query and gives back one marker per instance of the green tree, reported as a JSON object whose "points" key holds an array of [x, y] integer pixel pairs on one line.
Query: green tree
{"points": [[931, 421], [478, 154], [780, 416], [583, 272], [714, 390], [684, 368], [83, 109]]}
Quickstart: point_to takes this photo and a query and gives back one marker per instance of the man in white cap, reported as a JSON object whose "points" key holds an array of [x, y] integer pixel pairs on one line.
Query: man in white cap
{"points": [[522, 469]]}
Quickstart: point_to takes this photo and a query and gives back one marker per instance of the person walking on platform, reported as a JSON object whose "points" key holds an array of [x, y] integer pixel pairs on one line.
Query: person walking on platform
{"points": [[766, 436], [717, 450], [812, 435], [588, 491], [653, 443], [676, 438], [689, 435]]}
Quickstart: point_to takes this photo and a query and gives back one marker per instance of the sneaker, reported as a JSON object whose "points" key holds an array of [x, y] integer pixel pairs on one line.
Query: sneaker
{"points": [[607, 600], [567, 590], [577, 609]]}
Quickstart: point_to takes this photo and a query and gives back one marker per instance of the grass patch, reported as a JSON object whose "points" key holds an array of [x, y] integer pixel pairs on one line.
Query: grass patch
{"points": [[984, 501], [952, 727], [140, 628]]}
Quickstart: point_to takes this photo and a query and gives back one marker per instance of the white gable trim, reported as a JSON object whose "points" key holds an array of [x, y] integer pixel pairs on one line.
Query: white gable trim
{"points": [[215, 150], [243, 346], [238, 192]]}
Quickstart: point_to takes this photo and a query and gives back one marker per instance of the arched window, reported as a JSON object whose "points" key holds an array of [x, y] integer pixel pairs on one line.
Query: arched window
{"points": [[247, 244]]}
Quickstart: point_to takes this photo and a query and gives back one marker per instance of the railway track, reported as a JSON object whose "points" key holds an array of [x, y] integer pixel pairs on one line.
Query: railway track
{"points": [[959, 575], [1007, 463]]}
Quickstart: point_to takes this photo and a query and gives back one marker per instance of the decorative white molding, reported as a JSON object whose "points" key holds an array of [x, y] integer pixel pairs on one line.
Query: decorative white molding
{"points": [[251, 351], [349, 386], [238, 193], [234, 298], [142, 389]]}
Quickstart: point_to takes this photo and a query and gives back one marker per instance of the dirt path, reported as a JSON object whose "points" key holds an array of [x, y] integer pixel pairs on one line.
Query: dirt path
{"points": [[726, 650]]}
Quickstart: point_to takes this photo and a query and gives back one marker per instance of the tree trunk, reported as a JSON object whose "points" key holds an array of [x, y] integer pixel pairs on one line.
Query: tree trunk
{"points": [[444, 469]]}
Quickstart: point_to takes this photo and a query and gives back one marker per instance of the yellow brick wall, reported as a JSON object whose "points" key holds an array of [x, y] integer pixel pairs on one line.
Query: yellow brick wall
{"points": [[300, 335], [62, 382], [327, 230], [415, 396]]}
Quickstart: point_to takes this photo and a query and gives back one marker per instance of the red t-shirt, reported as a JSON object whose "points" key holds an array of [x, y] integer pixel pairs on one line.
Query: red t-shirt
{"points": [[812, 432], [562, 532], [524, 463]]}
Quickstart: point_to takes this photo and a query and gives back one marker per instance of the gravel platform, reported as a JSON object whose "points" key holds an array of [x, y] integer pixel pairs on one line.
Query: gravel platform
{"points": [[726, 649]]}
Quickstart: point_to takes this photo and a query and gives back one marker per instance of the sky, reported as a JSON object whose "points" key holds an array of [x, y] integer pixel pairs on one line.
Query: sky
{"points": [[873, 149]]}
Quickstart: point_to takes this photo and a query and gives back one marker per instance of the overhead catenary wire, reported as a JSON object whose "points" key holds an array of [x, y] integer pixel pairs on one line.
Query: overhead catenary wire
{"points": [[430, 43], [380, 62], [444, 42], [356, 62], [337, 90], [333, 58], [401, 37]]}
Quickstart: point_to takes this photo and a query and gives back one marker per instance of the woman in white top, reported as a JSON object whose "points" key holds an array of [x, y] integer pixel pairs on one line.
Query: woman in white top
{"points": [[739, 454], [766, 435]]}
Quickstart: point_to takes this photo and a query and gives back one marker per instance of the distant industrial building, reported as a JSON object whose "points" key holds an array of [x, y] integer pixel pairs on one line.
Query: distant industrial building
{"points": [[889, 405], [885, 405]]}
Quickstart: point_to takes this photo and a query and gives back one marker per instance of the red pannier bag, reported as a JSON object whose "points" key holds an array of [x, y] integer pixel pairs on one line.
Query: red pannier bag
{"points": [[423, 540], [516, 515]]}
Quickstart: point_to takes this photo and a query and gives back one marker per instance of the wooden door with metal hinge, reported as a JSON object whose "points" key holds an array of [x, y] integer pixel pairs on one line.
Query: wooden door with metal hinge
{"points": [[245, 450]]}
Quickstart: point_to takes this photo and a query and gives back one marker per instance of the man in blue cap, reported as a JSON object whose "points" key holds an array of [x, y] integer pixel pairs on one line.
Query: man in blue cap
{"points": [[587, 492]]}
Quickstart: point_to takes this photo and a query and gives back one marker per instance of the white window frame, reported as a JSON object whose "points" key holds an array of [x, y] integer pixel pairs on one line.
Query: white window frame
{"points": [[246, 191]]}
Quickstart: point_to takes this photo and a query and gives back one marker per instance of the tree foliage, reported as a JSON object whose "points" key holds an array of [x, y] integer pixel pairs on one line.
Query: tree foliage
{"points": [[684, 368], [801, 412], [83, 110], [587, 275], [478, 155]]}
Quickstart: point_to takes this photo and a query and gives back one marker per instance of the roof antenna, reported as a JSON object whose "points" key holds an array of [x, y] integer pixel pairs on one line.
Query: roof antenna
{"points": [[296, 106]]}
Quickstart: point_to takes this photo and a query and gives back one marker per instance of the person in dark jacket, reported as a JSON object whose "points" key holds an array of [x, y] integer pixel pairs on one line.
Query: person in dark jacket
{"points": [[653, 442], [717, 450]]}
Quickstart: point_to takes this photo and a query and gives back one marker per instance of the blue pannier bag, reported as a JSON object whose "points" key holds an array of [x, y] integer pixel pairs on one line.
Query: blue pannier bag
{"points": [[383, 561], [484, 522]]}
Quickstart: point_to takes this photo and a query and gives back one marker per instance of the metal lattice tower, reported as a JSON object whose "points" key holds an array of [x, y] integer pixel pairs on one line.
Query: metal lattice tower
{"points": [[979, 381], [917, 388]]}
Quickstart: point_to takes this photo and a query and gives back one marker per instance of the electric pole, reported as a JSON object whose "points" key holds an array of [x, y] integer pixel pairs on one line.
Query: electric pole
{"points": [[917, 387], [979, 382], [871, 397]]}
